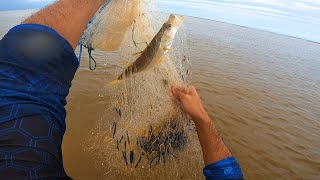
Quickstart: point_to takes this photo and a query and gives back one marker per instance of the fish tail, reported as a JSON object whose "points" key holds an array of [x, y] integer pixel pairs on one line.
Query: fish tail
{"points": [[114, 83]]}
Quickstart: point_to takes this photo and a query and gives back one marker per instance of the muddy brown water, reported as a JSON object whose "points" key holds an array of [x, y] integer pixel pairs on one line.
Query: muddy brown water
{"points": [[261, 89]]}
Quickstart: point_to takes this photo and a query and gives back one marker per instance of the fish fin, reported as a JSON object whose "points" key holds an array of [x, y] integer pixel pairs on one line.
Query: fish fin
{"points": [[138, 53], [161, 59], [117, 104], [114, 83], [125, 63], [164, 48]]}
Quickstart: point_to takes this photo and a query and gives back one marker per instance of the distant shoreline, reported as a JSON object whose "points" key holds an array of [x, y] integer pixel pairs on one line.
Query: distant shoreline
{"points": [[255, 29], [315, 42], [19, 10]]}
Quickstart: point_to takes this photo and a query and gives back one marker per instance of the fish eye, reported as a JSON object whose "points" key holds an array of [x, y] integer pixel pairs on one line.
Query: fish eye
{"points": [[169, 26]]}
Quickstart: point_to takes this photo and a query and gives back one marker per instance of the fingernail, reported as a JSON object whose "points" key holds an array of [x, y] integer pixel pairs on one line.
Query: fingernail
{"points": [[170, 93], [175, 89]]}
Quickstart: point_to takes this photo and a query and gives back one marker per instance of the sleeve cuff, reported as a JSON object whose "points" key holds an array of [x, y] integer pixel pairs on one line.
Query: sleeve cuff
{"points": [[225, 169]]}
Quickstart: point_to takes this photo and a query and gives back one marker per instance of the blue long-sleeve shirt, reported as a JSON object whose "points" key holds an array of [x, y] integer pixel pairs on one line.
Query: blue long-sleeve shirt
{"points": [[37, 66]]}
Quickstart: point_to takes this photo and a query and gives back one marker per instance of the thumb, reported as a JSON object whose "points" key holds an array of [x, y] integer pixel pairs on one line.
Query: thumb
{"points": [[192, 90], [176, 91]]}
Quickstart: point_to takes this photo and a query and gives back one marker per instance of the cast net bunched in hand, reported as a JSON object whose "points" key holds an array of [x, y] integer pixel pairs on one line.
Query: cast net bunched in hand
{"points": [[144, 134]]}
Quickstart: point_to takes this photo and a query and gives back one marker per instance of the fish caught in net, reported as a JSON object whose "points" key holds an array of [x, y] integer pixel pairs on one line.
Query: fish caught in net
{"points": [[143, 134]]}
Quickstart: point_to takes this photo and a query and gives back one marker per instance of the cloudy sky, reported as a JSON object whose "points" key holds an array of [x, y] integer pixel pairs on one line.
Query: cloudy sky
{"points": [[298, 18], [23, 4]]}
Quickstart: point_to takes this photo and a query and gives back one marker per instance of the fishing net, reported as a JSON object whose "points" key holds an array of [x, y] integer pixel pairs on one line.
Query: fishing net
{"points": [[144, 134], [107, 29]]}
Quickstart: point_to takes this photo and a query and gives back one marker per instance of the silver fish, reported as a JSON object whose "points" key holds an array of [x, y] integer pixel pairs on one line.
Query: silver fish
{"points": [[156, 50]]}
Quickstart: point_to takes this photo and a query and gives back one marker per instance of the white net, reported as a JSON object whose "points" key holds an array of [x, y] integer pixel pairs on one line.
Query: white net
{"points": [[143, 135], [110, 24]]}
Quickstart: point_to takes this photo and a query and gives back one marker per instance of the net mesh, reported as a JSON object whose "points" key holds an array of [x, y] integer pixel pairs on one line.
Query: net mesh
{"points": [[143, 134], [108, 28]]}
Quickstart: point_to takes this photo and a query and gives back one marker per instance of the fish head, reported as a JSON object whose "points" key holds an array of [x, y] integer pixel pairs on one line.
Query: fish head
{"points": [[171, 27]]}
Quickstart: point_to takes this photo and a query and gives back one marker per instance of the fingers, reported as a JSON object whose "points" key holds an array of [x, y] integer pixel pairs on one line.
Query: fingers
{"points": [[177, 91], [192, 90], [181, 91]]}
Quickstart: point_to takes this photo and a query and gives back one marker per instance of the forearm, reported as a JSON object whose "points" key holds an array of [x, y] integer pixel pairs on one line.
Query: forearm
{"points": [[68, 17], [213, 147], [218, 159]]}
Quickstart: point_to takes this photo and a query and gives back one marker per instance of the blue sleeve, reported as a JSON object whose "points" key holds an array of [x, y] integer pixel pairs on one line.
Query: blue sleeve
{"points": [[225, 169], [37, 66]]}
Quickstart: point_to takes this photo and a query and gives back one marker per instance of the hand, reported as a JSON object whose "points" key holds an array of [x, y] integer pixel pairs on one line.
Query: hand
{"points": [[212, 145], [190, 102]]}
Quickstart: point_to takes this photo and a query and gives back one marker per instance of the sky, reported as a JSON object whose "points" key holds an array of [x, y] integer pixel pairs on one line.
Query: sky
{"points": [[23, 4], [298, 18]]}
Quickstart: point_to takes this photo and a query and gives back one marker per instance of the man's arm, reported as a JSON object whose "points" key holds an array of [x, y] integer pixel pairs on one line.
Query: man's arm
{"points": [[37, 65], [212, 145], [68, 17], [218, 159]]}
